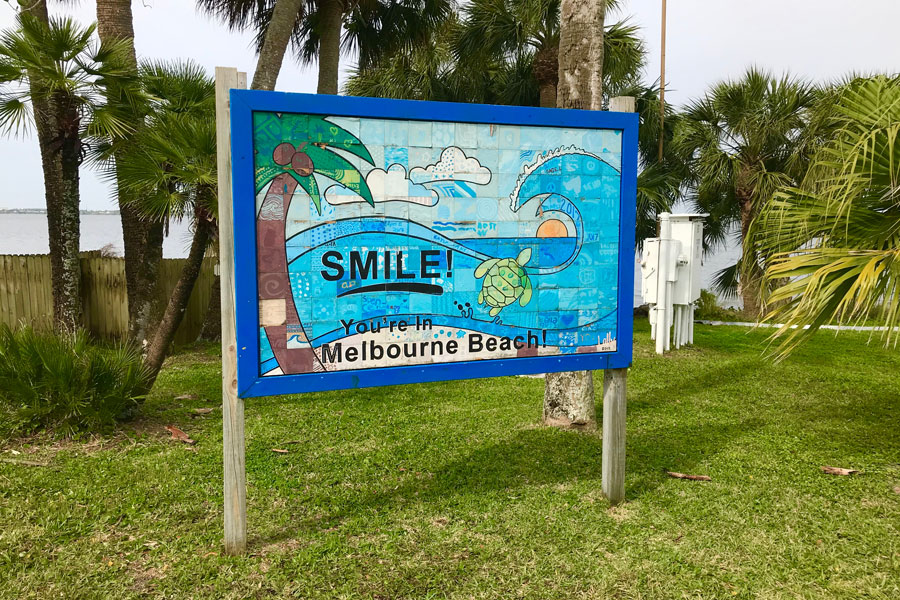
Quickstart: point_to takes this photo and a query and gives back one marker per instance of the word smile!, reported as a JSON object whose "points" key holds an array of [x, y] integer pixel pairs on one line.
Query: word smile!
{"points": [[393, 267]]}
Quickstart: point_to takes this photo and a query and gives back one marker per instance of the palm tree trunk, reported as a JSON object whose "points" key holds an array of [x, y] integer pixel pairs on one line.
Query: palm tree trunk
{"points": [[569, 397], [581, 54], [331, 19], [275, 43], [142, 239], [212, 323], [178, 301], [546, 72], [569, 401], [60, 169], [64, 223], [141, 311], [547, 95], [211, 329], [750, 276]]}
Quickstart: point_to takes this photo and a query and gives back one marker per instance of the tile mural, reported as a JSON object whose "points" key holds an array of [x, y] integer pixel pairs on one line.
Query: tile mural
{"points": [[384, 242]]}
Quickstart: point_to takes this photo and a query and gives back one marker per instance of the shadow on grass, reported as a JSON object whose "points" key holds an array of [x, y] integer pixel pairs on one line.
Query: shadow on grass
{"points": [[535, 458], [733, 373]]}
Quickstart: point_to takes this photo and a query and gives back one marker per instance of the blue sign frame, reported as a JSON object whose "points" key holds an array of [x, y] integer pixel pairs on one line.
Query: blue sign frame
{"points": [[245, 102]]}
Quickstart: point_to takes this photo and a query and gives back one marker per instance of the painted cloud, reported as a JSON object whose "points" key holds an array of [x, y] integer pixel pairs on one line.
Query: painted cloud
{"points": [[386, 186], [454, 165]]}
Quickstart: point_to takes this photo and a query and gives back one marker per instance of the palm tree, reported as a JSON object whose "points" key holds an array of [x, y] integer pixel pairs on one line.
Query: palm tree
{"points": [[142, 239], [495, 52], [169, 172], [515, 30], [427, 71], [569, 396], [834, 240], [274, 22], [739, 143], [53, 69], [323, 29]]}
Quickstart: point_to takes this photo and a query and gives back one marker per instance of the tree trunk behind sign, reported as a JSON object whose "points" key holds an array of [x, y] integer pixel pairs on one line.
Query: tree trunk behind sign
{"points": [[546, 73], [142, 238], [750, 273], [569, 397], [581, 54], [60, 159], [275, 43], [181, 295], [331, 14]]}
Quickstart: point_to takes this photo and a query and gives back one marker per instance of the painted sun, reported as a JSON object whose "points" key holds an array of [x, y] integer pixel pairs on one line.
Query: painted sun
{"points": [[552, 228]]}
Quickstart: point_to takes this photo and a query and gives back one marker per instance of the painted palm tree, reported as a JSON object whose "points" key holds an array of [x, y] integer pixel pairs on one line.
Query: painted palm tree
{"points": [[835, 239], [740, 143], [295, 151], [52, 69], [322, 29]]}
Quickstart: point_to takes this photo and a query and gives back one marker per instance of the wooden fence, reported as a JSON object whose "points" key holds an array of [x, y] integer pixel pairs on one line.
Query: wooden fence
{"points": [[25, 294]]}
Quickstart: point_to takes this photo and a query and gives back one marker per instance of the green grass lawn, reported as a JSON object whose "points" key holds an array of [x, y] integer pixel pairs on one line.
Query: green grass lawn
{"points": [[454, 490]]}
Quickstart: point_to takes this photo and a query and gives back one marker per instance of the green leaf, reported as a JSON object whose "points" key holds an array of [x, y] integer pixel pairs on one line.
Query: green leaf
{"points": [[266, 173], [312, 188], [336, 168], [322, 131]]}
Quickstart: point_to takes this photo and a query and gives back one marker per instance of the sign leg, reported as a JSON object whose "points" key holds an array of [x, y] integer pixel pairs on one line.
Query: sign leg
{"points": [[232, 406], [613, 461], [614, 384]]}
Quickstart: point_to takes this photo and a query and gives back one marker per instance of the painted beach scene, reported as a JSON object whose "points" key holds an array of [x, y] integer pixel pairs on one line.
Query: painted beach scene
{"points": [[384, 241]]}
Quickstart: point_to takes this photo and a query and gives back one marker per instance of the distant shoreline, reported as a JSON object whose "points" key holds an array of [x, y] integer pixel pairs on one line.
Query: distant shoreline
{"points": [[43, 211]]}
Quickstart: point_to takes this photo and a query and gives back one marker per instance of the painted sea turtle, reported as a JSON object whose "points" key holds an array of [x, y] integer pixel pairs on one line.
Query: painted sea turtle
{"points": [[505, 280]]}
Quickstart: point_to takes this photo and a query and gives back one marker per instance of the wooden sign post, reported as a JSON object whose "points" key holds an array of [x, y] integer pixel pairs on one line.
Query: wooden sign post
{"points": [[614, 388], [232, 404]]}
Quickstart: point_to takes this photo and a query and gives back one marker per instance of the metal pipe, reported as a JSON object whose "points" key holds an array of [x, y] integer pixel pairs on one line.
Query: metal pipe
{"points": [[664, 305]]}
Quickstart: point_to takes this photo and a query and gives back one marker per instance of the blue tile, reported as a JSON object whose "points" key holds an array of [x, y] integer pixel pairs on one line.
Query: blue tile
{"points": [[466, 135], [394, 155], [371, 132], [488, 136], [487, 208], [508, 136], [420, 134], [396, 133], [442, 134], [509, 161], [548, 299]]}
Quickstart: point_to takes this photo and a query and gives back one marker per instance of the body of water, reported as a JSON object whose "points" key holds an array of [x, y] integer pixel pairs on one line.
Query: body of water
{"points": [[27, 234]]}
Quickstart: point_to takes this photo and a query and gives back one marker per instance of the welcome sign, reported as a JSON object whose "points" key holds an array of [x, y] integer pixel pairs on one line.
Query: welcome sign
{"points": [[381, 241]]}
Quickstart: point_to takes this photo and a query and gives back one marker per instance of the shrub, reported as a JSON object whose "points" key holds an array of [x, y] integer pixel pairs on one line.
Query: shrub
{"points": [[707, 308], [64, 383]]}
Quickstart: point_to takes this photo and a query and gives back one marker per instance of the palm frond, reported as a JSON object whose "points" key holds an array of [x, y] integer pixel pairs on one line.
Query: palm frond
{"points": [[726, 281], [835, 239]]}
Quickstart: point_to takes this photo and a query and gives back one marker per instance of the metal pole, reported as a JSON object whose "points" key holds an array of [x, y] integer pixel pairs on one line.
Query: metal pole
{"points": [[662, 83]]}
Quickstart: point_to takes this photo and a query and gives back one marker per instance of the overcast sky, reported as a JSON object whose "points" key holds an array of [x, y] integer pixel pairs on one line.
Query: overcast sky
{"points": [[708, 40]]}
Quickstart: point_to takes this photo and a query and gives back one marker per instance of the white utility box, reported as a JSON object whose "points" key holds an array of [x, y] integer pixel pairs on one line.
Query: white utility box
{"points": [[670, 277]]}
